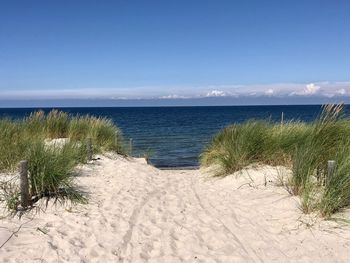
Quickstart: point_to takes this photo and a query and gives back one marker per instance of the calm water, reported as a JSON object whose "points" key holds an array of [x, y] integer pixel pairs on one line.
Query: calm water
{"points": [[175, 136]]}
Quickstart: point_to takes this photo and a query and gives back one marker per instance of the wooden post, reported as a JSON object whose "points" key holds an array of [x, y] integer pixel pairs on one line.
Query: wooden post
{"points": [[89, 149], [116, 138], [282, 118], [318, 176], [331, 169], [130, 146], [24, 184]]}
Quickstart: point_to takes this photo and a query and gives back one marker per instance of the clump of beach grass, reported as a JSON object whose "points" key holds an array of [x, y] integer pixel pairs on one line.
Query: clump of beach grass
{"points": [[57, 124], [303, 147], [51, 166], [13, 142], [51, 170], [104, 134], [34, 126], [9, 193], [336, 193], [240, 145], [237, 146]]}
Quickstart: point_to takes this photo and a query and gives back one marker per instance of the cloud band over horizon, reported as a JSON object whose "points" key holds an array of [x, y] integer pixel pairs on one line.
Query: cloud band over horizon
{"points": [[284, 90]]}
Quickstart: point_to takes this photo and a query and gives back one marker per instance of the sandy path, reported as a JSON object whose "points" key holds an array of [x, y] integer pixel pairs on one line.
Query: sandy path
{"points": [[138, 213]]}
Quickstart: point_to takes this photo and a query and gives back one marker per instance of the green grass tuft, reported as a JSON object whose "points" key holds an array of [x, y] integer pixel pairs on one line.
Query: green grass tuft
{"points": [[57, 124]]}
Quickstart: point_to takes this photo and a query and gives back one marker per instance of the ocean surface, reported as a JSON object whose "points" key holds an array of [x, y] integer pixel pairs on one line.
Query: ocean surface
{"points": [[175, 136]]}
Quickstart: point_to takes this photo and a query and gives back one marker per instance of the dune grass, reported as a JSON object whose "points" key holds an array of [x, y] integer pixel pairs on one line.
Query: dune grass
{"points": [[104, 134], [303, 147], [57, 124], [51, 170], [51, 166], [239, 145]]}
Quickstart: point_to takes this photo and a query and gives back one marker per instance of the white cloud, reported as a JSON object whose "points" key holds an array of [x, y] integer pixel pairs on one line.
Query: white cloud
{"points": [[118, 98], [341, 92], [310, 89], [173, 96], [269, 92], [216, 93]]}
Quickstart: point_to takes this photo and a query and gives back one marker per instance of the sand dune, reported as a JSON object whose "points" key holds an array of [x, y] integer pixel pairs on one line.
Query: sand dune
{"points": [[138, 213]]}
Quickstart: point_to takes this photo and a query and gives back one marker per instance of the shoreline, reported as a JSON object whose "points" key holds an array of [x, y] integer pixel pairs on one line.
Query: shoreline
{"points": [[177, 168]]}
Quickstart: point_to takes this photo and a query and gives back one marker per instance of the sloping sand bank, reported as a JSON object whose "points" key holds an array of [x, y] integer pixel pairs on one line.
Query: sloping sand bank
{"points": [[138, 213]]}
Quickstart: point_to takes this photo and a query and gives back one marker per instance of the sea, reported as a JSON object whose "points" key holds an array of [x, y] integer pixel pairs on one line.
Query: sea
{"points": [[174, 137]]}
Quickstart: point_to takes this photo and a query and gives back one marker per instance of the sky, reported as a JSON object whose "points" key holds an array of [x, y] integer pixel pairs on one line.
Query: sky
{"points": [[184, 52]]}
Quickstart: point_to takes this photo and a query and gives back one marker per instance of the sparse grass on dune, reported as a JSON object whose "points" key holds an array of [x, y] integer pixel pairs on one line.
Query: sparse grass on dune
{"points": [[336, 194], [57, 124], [305, 148], [34, 126], [51, 170], [237, 146], [104, 134], [79, 128], [253, 142], [51, 166], [13, 142]]}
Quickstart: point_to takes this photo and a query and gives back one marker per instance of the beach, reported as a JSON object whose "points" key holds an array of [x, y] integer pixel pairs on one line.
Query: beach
{"points": [[174, 131], [138, 213]]}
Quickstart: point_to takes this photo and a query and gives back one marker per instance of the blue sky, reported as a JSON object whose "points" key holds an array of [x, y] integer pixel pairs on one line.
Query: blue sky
{"points": [[286, 51]]}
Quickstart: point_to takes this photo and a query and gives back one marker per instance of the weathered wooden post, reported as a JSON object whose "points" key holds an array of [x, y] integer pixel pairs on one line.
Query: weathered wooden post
{"points": [[116, 138], [130, 146], [318, 175], [89, 149], [282, 118], [24, 184], [331, 169]]}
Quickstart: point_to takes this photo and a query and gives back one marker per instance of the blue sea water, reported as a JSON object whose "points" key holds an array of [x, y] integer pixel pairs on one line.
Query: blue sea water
{"points": [[175, 136]]}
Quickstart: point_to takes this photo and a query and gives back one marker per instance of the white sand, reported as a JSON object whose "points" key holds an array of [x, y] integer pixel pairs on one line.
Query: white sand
{"points": [[138, 213]]}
